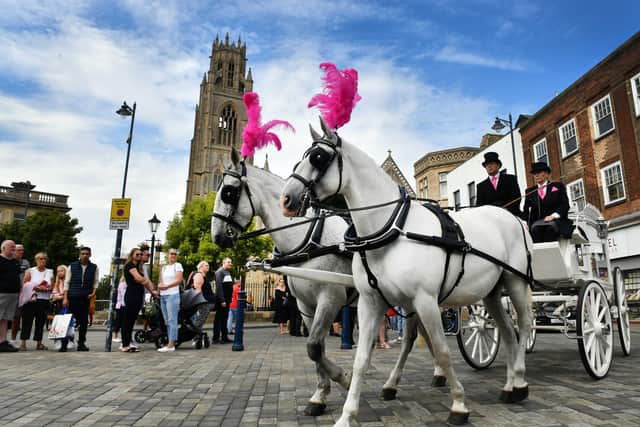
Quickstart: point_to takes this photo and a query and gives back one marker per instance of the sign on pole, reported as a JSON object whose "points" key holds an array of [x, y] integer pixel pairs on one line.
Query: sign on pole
{"points": [[120, 210]]}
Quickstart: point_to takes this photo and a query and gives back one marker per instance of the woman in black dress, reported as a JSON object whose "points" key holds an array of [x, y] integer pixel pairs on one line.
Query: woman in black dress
{"points": [[281, 315], [133, 296]]}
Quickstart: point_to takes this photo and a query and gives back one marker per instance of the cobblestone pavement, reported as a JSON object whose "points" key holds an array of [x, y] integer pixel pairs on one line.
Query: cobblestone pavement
{"points": [[269, 383]]}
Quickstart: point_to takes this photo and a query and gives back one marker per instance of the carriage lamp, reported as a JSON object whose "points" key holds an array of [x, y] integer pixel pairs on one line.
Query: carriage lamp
{"points": [[500, 124]]}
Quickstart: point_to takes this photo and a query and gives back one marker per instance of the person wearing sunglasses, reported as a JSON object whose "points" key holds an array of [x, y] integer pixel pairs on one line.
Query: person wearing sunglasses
{"points": [[169, 286], [133, 297]]}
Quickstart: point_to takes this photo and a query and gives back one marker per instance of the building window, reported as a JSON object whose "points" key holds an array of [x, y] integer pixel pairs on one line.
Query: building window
{"points": [[456, 199], [217, 181], [230, 73], [576, 194], [540, 151], [568, 138], [442, 177], [612, 183], [472, 193], [602, 116], [227, 126], [635, 90], [424, 187]]}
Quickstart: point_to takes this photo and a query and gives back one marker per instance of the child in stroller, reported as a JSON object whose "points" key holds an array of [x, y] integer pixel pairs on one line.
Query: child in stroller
{"points": [[194, 310]]}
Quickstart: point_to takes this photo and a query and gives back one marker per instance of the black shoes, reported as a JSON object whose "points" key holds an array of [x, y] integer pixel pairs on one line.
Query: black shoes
{"points": [[225, 341], [6, 347], [82, 347]]}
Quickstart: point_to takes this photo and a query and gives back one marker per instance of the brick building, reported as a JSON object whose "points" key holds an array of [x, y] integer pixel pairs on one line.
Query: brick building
{"points": [[590, 136]]}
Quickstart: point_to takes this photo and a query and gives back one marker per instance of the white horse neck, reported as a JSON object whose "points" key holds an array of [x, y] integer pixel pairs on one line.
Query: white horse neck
{"points": [[265, 193], [365, 184]]}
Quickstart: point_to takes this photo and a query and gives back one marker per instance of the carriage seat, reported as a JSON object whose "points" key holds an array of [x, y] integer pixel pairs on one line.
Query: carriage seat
{"points": [[554, 262]]}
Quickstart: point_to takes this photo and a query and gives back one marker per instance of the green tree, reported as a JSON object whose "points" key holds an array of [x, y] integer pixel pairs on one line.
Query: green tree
{"points": [[53, 232], [190, 233]]}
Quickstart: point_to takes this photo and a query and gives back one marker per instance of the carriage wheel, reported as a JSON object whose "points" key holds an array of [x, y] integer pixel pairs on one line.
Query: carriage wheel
{"points": [[531, 339], [623, 311], [594, 330], [140, 337], [478, 337]]}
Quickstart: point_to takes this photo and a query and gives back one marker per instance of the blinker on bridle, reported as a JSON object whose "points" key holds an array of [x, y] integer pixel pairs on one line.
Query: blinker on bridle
{"points": [[320, 159], [230, 195]]}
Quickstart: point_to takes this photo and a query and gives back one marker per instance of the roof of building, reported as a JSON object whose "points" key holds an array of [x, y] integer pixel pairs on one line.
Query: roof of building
{"points": [[393, 170]]}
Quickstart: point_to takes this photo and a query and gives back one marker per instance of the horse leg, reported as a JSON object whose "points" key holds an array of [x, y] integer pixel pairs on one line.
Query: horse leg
{"points": [[493, 304], [518, 292], [439, 379], [429, 312], [389, 389], [370, 313], [325, 368]]}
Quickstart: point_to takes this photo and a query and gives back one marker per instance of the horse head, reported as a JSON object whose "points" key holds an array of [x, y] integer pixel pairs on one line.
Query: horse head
{"points": [[233, 209], [317, 176]]}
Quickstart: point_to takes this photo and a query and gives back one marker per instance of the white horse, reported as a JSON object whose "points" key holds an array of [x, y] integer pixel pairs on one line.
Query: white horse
{"points": [[410, 273], [319, 302]]}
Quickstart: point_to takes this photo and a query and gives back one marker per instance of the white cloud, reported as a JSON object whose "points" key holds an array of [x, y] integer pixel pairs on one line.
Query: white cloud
{"points": [[453, 54]]}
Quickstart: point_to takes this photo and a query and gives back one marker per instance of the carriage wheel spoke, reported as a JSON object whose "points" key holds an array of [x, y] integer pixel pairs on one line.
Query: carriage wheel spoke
{"points": [[589, 344], [473, 334], [603, 313], [596, 350], [475, 346]]}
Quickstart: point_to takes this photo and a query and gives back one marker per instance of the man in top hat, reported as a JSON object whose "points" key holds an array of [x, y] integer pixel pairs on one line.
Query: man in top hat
{"points": [[546, 207], [499, 189]]}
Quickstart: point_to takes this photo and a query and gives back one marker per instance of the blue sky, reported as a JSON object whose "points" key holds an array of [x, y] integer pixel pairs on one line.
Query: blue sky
{"points": [[433, 74]]}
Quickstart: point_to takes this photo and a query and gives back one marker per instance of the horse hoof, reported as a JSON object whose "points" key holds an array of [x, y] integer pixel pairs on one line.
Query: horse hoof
{"points": [[438, 381], [505, 396], [314, 409], [388, 394], [518, 394], [458, 418]]}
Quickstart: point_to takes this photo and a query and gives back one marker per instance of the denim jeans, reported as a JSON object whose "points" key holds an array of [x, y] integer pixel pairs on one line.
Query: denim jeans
{"points": [[233, 313], [170, 305], [397, 322]]}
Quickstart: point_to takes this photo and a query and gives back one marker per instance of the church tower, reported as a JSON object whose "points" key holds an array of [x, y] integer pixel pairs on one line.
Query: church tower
{"points": [[220, 116]]}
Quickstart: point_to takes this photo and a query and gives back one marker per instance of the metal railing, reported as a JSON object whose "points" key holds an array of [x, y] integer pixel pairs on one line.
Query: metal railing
{"points": [[260, 287]]}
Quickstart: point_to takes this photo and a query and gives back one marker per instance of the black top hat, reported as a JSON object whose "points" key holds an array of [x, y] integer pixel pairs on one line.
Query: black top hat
{"points": [[540, 167], [491, 156]]}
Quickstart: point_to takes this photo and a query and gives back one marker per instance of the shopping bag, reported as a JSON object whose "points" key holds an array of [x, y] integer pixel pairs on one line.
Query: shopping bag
{"points": [[61, 327]]}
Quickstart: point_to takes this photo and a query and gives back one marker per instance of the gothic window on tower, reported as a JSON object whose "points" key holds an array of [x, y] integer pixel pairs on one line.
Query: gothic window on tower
{"points": [[218, 80], [217, 180], [227, 126], [230, 75]]}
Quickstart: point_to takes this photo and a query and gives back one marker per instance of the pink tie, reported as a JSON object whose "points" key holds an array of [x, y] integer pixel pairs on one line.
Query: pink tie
{"points": [[494, 182], [541, 192]]}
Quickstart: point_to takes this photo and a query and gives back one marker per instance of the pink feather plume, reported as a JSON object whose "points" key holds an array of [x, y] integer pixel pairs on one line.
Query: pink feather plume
{"points": [[339, 96], [255, 135]]}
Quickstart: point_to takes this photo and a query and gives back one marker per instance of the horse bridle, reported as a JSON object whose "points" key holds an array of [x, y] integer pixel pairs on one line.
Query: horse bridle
{"points": [[321, 160], [230, 194]]}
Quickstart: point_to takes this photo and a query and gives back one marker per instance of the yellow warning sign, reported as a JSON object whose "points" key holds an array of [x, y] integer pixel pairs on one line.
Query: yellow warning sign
{"points": [[120, 211]]}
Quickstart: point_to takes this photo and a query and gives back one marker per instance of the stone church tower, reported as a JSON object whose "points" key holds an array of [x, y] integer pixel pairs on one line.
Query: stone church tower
{"points": [[220, 116]]}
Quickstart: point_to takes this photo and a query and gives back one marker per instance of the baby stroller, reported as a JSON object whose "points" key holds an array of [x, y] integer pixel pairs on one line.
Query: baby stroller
{"points": [[194, 310], [153, 314]]}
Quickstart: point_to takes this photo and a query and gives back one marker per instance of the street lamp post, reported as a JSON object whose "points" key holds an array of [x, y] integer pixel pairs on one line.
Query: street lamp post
{"points": [[500, 124], [153, 225], [123, 111]]}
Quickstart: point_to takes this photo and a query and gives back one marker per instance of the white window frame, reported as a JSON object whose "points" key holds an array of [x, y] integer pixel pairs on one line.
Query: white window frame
{"points": [[561, 132], [534, 147], [471, 189], [457, 200], [607, 97], [635, 90], [442, 179], [570, 186], [604, 183]]}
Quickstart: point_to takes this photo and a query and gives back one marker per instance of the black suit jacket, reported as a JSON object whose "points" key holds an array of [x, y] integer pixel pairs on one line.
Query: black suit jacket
{"points": [[555, 200], [507, 191]]}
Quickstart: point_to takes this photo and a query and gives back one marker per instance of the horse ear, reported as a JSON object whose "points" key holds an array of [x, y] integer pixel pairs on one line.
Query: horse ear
{"points": [[328, 132], [235, 156], [314, 135]]}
